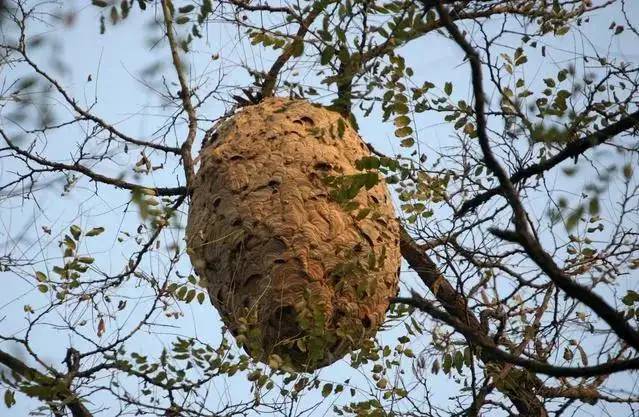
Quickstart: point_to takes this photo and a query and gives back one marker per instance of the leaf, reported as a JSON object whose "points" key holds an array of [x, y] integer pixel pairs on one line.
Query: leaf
{"points": [[327, 55], [402, 121], [181, 293], [200, 298], [186, 9], [568, 355], [370, 179], [593, 206], [9, 398], [75, 231], [448, 362], [297, 48], [448, 88], [459, 360], [182, 20], [95, 231], [630, 298], [403, 131], [363, 213], [99, 3], [41, 276], [86, 259], [101, 327], [400, 108], [574, 218], [114, 15], [327, 389], [43, 288], [341, 128], [408, 142], [435, 367]]}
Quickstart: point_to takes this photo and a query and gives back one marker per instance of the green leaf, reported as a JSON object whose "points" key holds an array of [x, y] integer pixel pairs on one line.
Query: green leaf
{"points": [[9, 398], [75, 231], [435, 367], [363, 213], [371, 179], [181, 293], [297, 48], [200, 298], [95, 231], [400, 108], [459, 360], [403, 131], [402, 121], [448, 363], [593, 206], [630, 298], [574, 218], [43, 288], [327, 389], [327, 55], [408, 142], [99, 3], [182, 20], [448, 88], [341, 128], [186, 9], [41, 276]]}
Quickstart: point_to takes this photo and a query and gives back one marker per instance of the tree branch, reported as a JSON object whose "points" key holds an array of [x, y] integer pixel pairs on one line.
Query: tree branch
{"points": [[103, 124], [572, 150], [268, 87], [76, 167], [530, 244], [493, 352], [65, 395], [185, 96]]}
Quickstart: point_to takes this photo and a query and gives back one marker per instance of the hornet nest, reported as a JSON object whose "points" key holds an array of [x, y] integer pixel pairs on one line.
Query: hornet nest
{"points": [[298, 248]]}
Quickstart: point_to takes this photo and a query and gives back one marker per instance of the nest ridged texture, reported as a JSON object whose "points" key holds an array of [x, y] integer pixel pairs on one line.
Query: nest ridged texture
{"points": [[299, 278]]}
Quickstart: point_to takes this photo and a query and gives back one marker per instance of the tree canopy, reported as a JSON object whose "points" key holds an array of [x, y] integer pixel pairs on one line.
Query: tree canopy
{"points": [[506, 131]]}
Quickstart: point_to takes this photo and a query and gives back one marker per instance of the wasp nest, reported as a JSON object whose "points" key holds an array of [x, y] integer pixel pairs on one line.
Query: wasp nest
{"points": [[297, 247]]}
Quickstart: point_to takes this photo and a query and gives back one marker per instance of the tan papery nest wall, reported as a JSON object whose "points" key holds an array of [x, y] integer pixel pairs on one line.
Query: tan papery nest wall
{"points": [[296, 277]]}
